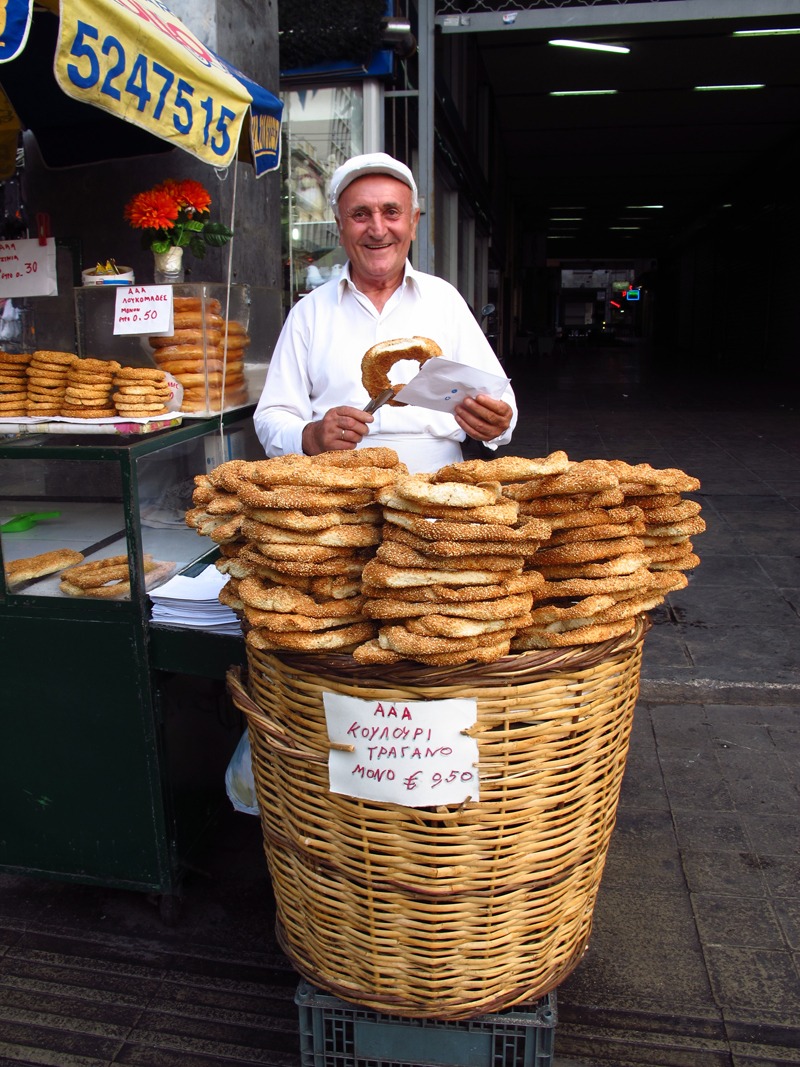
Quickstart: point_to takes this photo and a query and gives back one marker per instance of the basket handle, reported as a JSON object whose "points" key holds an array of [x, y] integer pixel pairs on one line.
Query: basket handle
{"points": [[274, 737]]}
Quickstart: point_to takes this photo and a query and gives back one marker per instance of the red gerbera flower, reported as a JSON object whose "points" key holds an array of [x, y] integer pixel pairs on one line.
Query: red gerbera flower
{"points": [[193, 195], [153, 210]]}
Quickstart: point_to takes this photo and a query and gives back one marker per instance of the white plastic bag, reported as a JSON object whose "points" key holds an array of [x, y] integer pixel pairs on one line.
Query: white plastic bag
{"points": [[239, 782]]}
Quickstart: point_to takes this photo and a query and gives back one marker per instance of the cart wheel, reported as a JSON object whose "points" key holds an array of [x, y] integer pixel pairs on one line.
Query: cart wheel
{"points": [[169, 908]]}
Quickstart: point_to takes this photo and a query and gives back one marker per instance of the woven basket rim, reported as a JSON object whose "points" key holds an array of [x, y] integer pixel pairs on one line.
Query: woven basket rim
{"points": [[517, 668]]}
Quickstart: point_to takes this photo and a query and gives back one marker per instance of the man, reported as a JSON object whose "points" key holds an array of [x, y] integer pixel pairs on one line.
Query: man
{"points": [[313, 396]]}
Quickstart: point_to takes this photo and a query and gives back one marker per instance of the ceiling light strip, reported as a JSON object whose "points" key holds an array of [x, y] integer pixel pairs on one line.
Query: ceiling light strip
{"points": [[591, 46], [583, 92], [726, 88]]}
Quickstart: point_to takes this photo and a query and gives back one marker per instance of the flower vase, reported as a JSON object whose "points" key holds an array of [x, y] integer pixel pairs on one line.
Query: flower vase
{"points": [[168, 266]]}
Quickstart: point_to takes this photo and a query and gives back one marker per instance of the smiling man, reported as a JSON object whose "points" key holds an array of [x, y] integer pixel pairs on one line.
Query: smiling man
{"points": [[313, 396]]}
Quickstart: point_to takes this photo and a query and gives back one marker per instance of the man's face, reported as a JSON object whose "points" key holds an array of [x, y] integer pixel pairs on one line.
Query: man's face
{"points": [[376, 227]]}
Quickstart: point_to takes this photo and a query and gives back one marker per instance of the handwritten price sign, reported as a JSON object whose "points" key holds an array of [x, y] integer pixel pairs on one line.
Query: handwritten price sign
{"points": [[143, 309], [28, 268], [415, 753]]}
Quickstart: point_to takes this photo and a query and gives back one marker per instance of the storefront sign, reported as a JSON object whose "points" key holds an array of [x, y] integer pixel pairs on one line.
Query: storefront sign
{"points": [[137, 60], [15, 23], [28, 268], [415, 753], [143, 309]]}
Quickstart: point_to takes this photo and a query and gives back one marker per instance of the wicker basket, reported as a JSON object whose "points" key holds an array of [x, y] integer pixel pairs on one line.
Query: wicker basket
{"points": [[455, 911]]}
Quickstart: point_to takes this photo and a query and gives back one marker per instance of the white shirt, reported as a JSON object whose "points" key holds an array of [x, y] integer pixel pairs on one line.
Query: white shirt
{"points": [[316, 366]]}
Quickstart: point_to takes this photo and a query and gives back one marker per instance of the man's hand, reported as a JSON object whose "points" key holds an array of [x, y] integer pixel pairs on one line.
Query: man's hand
{"points": [[482, 418], [339, 428]]}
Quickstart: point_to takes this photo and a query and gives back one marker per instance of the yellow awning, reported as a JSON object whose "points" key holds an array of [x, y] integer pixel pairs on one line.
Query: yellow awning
{"points": [[139, 62]]}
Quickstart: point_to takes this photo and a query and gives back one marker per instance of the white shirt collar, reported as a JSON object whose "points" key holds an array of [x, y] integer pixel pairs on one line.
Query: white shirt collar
{"points": [[345, 281]]}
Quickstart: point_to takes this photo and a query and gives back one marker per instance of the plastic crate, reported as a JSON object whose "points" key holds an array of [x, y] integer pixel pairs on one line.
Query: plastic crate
{"points": [[334, 1033]]}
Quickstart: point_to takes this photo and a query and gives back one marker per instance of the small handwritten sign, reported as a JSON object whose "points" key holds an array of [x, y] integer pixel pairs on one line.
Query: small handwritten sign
{"points": [[28, 268], [414, 753], [143, 309]]}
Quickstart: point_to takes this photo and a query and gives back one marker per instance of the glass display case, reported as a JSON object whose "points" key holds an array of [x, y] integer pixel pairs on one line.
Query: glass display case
{"points": [[219, 350], [113, 764], [109, 500]]}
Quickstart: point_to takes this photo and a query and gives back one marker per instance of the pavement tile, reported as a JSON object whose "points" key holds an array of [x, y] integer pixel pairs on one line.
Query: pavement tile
{"points": [[694, 783], [665, 648], [754, 982], [761, 785], [783, 570], [713, 605], [788, 912], [730, 570], [679, 728], [710, 830], [729, 653], [718, 871], [643, 851], [744, 922], [781, 874], [666, 972]]}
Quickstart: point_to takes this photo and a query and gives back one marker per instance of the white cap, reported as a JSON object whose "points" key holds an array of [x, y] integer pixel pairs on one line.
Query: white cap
{"points": [[372, 163]]}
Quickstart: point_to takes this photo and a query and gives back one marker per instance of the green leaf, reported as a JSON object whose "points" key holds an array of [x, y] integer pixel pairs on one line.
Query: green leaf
{"points": [[160, 246], [216, 234], [197, 248]]}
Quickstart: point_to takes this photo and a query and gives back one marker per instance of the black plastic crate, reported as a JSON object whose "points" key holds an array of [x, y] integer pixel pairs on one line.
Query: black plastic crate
{"points": [[334, 1033]]}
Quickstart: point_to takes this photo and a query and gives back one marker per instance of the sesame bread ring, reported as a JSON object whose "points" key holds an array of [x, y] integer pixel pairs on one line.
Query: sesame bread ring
{"points": [[188, 337], [22, 570], [46, 392], [87, 390], [371, 653], [286, 622], [484, 653], [193, 320], [583, 635], [303, 497], [378, 361], [442, 530], [15, 357], [167, 352], [438, 624], [45, 356], [503, 469], [397, 555], [356, 633], [452, 494], [500, 608], [236, 341], [43, 377], [88, 413], [141, 412], [85, 401], [126, 374], [195, 303], [39, 410], [188, 366], [79, 378], [302, 471], [96, 366], [151, 389]]}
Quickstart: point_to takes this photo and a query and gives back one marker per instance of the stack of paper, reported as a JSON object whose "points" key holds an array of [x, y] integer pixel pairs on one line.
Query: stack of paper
{"points": [[193, 602]]}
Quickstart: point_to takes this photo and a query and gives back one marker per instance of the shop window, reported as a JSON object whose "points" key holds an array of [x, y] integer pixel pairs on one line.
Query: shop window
{"points": [[322, 127]]}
